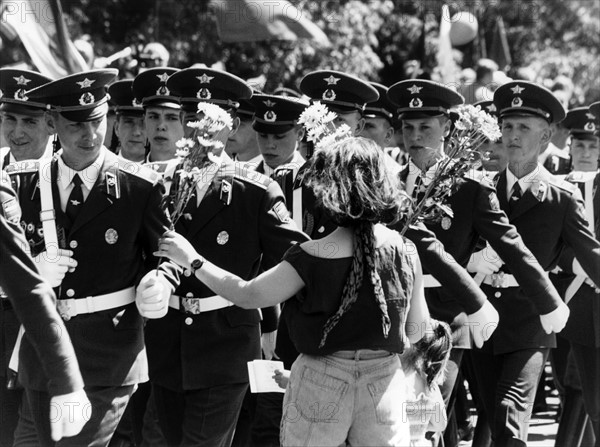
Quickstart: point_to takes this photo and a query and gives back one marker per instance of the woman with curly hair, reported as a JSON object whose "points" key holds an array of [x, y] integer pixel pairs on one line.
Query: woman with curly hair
{"points": [[353, 302]]}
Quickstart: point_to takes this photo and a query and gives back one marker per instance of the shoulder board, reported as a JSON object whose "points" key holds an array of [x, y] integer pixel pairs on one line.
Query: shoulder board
{"points": [[581, 177], [139, 170], [478, 177], [22, 167], [562, 183], [241, 172]]}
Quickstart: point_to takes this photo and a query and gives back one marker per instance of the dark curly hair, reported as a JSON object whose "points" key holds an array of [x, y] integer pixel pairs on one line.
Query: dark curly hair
{"points": [[352, 183]]}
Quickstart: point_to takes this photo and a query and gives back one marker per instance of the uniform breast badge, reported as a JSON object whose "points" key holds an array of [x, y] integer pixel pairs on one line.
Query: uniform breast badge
{"points": [[222, 237], [111, 236]]}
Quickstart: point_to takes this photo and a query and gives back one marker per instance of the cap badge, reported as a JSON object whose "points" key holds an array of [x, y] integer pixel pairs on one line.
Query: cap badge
{"points": [[203, 93], [86, 99], [136, 103], [86, 83], [22, 80], [269, 103], [590, 116], [332, 80], [415, 103], [517, 89], [589, 126], [414, 89], [204, 79], [163, 91], [163, 77], [20, 94], [222, 238], [516, 102], [270, 116], [492, 108], [329, 95]]}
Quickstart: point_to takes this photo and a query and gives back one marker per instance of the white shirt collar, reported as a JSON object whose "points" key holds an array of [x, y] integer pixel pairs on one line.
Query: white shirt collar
{"points": [[524, 182], [88, 175]]}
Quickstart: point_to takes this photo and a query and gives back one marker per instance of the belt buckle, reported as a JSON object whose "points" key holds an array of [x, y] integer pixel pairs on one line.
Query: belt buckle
{"points": [[191, 305], [498, 280], [66, 309]]}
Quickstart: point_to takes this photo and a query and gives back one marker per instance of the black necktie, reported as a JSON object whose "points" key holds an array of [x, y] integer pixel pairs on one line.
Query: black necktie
{"points": [[75, 199], [516, 195]]}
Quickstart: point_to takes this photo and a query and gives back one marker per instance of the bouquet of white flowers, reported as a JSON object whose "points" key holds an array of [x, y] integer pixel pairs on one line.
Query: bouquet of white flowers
{"points": [[318, 121], [196, 153], [472, 128]]}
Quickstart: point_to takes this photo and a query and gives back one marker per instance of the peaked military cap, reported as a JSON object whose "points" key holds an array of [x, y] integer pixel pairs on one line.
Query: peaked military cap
{"points": [[581, 121], [524, 98], [340, 91], [595, 109], [79, 97], [13, 85], [489, 107], [276, 114], [150, 88], [382, 107], [284, 91], [418, 98], [122, 99], [218, 87]]}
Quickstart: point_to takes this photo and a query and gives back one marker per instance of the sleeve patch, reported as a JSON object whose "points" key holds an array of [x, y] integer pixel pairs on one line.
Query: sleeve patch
{"points": [[11, 210], [281, 212]]}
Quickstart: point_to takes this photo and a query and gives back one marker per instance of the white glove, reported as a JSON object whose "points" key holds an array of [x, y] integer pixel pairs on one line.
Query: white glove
{"points": [[53, 265], [483, 323], [68, 414], [556, 320], [267, 341], [485, 261], [152, 295]]}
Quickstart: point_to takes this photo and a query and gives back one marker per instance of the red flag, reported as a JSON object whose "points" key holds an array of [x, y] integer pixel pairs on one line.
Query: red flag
{"points": [[40, 26], [499, 50], [251, 21]]}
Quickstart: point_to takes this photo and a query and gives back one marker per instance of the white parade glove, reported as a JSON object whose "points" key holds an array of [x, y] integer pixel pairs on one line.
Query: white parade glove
{"points": [[267, 342], [483, 323], [68, 414], [152, 295], [556, 320], [53, 265], [485, 261]]}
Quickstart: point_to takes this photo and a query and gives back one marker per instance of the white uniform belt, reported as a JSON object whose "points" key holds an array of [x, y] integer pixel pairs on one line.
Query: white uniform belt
{"points": [[429, 281], [72, 307], [500, 280], [198, 305]]}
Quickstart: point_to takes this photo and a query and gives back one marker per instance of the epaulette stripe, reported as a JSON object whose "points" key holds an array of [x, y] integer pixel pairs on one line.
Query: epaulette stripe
{"points": [[139, 170]]}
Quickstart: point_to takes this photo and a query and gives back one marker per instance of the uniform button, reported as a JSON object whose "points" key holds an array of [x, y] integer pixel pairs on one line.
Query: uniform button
{"points": [[70, 293], [73, 244], [498, 294], [189, 320]]}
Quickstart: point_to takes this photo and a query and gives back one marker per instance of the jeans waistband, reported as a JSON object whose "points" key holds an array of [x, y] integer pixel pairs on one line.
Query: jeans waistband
{"points": [[362, 354]]}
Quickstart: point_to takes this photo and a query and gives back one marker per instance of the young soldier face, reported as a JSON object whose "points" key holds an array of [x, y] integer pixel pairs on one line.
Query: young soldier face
{"points": [[132, 136], [523, 137], [379, 130], [278, 149], [163, 128], [26, 135], [424, 138], [244, 140], [585, 153], [81, 141]]}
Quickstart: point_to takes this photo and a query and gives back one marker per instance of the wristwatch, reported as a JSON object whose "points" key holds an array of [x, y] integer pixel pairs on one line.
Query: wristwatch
{"points": [[196, 264]]}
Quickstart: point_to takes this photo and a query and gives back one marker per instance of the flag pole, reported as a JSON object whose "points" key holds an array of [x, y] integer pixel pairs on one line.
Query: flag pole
{"points": [[61, 34]]}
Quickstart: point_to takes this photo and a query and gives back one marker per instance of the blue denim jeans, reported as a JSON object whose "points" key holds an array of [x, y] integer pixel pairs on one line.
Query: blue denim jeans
{"points": [[331, 401]]}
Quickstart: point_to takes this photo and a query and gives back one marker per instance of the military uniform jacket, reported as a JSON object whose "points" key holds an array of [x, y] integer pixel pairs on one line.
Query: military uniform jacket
{"points": [[549, 218], [477, 214], [33, 300], [116, 230], [583, 326], [241, 225]]}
